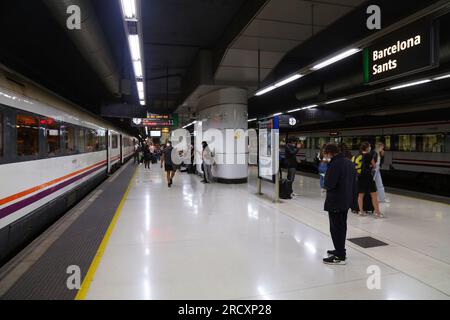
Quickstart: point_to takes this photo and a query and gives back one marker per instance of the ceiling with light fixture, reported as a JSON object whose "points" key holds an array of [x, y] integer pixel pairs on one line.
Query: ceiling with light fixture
{"points": [[174, 32], [336, 84], [291, 35]]}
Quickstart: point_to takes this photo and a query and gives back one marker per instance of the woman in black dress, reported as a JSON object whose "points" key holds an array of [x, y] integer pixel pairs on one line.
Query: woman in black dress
{"points": [[366, 182]]}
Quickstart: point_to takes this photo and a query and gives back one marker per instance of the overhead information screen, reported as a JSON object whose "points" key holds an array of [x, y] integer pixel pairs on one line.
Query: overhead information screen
{"points": [[407, 51]]}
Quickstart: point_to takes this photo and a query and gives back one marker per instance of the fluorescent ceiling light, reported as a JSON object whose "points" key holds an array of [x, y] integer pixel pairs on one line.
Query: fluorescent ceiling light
{"points": [[140, 86], [336, 101], [142, 103], [264, 91], [278, 114], [411, 84], [137, 69], [310, 107], [288, 80], [252, 120], [129, 9], [295, 110], [335, 59], [442, 77], [135, 47], [141, 95], [190, 124]]}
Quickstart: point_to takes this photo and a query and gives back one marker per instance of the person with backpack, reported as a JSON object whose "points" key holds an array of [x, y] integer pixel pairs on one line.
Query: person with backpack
{"points": [[366, 184], [341, 184]]}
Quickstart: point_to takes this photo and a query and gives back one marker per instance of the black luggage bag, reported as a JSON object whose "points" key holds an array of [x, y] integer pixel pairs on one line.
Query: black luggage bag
{"points": [[286, 189], [191, 169]]}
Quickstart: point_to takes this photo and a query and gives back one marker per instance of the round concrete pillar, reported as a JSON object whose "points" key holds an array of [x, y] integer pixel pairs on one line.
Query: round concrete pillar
{"points": [[223, 122]]}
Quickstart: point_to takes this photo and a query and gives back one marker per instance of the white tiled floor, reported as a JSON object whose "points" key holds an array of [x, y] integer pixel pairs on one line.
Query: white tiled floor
{"points": [[198, 241]]}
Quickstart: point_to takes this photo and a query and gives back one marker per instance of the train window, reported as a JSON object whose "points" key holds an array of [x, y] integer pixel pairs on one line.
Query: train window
{"points": [[101, 140], [1, 134], [91, 140], [320, 142], [80, 141], [387, 143], [115, 141], [348, 141], [69, 139], [407, 143], [357, 143], [27, 135], [433, 143], [52, 136], [447, 143]]}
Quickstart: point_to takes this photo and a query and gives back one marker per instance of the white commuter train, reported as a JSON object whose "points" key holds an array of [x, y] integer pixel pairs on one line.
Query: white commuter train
{"points": [[51, 155], [420, 149]]}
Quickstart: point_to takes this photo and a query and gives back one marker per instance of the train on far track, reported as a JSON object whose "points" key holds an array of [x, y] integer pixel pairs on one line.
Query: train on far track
{"points": [[52, 154], [417, 154]]}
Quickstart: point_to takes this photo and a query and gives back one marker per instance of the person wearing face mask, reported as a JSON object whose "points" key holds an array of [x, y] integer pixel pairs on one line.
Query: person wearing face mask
{"points": [[341, 184], [166, 161], [207, 160]]}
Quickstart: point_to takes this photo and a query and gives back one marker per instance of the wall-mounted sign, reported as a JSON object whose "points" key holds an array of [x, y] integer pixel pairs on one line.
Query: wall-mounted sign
{"points": [[268, 149], [407, 51], [288, 122]]}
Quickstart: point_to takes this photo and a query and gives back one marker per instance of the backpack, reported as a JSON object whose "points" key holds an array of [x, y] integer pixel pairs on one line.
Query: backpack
{"points": [[358, 161]]}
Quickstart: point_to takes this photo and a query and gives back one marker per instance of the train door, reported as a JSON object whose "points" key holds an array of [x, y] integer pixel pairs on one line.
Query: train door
{"points": [[121, 149], [108, 150]]}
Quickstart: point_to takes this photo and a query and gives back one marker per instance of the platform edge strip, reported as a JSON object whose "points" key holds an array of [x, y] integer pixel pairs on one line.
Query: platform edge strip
{"points": [[81, 295]]}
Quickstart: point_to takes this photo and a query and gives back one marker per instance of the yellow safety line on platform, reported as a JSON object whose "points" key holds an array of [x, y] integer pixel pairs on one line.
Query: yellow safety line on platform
{"points": [[98, 256]]}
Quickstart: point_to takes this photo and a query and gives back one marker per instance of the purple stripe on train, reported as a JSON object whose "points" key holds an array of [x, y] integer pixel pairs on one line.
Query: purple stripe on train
{"points": [[38, 196]]}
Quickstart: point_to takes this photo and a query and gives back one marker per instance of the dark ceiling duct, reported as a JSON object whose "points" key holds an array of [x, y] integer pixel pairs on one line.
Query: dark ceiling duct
{"points": [[90, 41]]}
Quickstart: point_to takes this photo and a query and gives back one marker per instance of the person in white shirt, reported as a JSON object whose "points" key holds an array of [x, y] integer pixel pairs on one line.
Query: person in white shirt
{"points": [[377, 174], [207, 160]]}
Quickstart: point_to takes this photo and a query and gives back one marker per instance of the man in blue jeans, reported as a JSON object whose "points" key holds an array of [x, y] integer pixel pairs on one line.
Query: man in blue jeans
{"points": [[341, 186]]}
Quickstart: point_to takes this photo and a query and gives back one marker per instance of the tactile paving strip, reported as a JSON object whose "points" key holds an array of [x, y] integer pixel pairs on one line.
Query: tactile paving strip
{"points": [[47, 278]]}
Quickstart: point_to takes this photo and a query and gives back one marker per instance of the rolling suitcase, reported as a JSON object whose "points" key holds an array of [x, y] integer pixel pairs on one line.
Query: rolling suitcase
{"points": [[286, 189]]}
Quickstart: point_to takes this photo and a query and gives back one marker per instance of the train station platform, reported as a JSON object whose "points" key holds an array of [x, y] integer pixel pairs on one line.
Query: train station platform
{"points": [[134, 238]]}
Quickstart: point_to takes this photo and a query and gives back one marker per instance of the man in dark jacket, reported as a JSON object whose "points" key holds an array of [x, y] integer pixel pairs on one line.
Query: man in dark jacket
{"points": [[341, 184]]}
